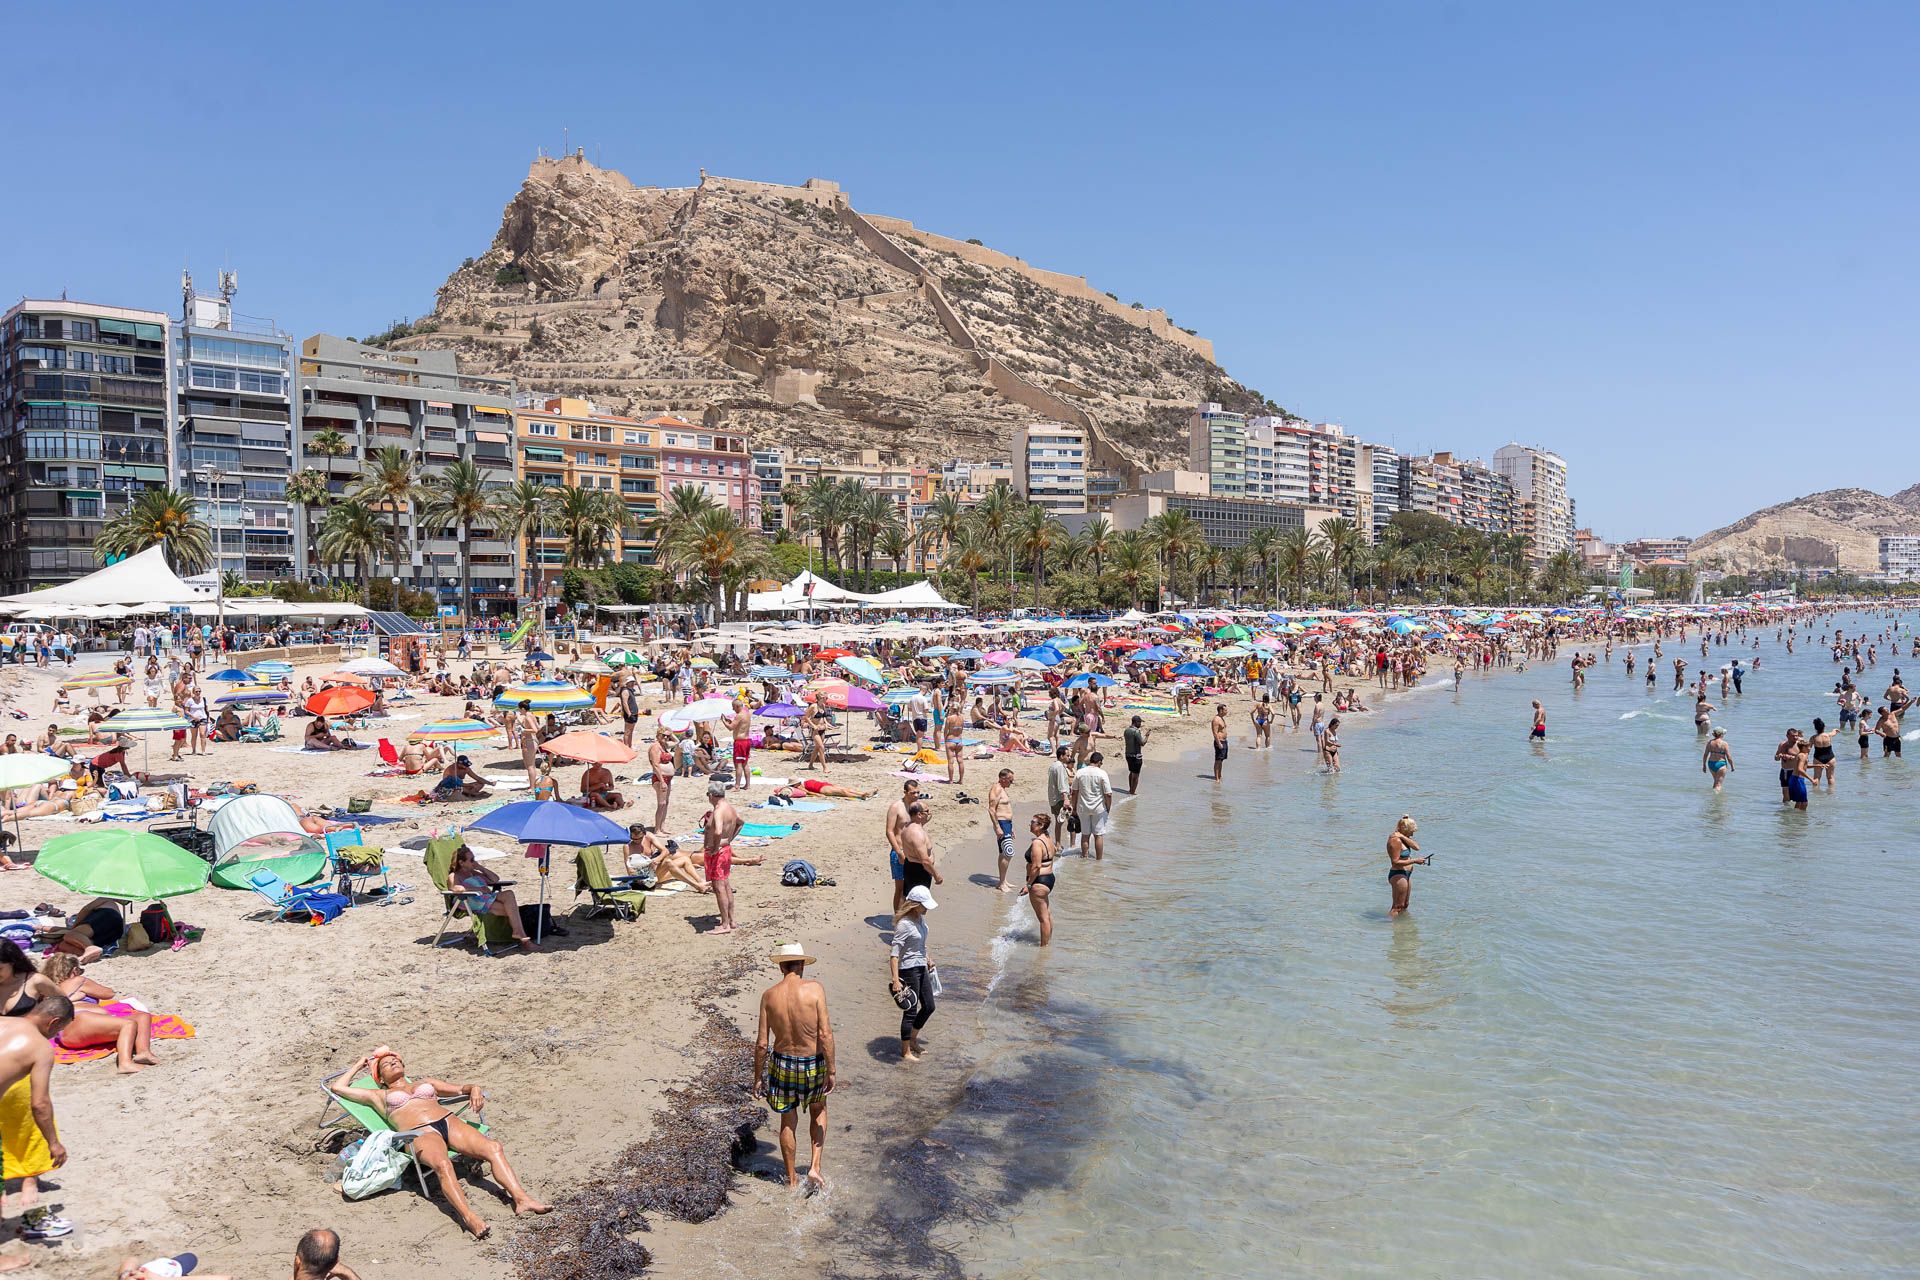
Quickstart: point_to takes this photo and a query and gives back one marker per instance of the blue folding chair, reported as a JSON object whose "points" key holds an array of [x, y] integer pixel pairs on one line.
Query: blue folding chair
{"points": [[285, 900], [359, 872]]}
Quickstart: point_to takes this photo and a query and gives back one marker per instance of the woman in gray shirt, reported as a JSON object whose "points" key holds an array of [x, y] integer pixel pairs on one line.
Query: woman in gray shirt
{"points": [[912, 980]]}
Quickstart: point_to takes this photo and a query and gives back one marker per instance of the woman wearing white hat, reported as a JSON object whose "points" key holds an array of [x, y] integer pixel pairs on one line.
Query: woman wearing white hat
{"points": [[912, 982]]}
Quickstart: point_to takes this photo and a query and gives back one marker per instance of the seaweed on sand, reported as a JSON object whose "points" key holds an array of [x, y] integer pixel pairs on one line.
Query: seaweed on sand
{"points": [[683, 1169]]}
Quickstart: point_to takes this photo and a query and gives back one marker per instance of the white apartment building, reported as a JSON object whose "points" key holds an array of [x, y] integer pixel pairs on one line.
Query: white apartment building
{"points": [[1217, 448], [1050, 466], [1545, 512], [1900, 558], [1277, 464]]}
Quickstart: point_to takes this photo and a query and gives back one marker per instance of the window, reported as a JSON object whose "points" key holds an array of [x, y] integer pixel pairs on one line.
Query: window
{"points": [[543, 429], [639, 462]]}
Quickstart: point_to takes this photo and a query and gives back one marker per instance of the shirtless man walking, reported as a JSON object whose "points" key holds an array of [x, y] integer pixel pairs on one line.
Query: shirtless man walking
{"points": [[916, 849], [527, 729], [1219, 728], [1000, 813], [798, 1072], [723, 824], [742, 739], [26, 1052], [897, 819]]}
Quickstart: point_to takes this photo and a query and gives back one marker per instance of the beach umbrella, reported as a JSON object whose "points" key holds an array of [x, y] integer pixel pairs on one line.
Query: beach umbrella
{"points": [[1158, 653], [967, 655], [1067, 644], [1266, 642], [538, 655], [842, 696], [369, 667], [546, 695], [251, 693], [1120, 644], [1200, 669], [1045, 654], [121, 863], [589, 748], [771, 673], [1232, 651], [625, 658], [697, 712], [339, 700], [145, 720], [781, 711], [96, 680], [462, 729], [702, 663], [1093, 678], [834, 653], [997, 657], [29, 769], [939, 651], [862, 669], [589, 667], [270, 670], [1022, 664], [1232, 631], [232, 675], [1402, 627], [994, 676], [549, 822]]}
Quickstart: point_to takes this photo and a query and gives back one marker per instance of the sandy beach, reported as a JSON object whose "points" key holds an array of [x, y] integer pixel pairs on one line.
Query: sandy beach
{"points": [[578, 1046]]}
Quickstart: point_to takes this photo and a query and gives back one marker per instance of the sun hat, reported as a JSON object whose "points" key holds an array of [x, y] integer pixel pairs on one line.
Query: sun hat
{"points": [[922, 895], [788, 952]]}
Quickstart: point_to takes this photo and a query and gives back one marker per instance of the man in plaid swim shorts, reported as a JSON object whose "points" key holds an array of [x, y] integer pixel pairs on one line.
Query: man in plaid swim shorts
{"points": [[793, 1059]]}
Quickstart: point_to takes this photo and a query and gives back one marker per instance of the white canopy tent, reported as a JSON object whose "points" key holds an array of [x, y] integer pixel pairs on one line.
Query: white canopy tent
{"points": [[144, 579], [810, 589]]}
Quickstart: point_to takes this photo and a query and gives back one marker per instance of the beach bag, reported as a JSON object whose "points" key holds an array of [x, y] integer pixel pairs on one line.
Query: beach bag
{"points": [[158, 922], [374, 1164], [360, 804], [799, 873], [135, 940]]}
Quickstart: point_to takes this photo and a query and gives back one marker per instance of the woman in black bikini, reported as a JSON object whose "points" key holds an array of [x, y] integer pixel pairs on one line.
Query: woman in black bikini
{"points": [[1039, 890], [1399, 865], [22, 987], [410, 1104]]}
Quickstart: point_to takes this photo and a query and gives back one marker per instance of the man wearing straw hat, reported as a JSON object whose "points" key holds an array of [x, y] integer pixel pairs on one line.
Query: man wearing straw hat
{"points": [[798, 1072]]}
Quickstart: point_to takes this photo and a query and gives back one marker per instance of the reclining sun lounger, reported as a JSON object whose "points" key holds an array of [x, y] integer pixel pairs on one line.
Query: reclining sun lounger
{"points": [[359, 1116]]}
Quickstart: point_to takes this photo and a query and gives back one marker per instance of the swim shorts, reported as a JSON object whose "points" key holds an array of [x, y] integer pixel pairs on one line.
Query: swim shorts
{"points": [[1005, 826], [1134, 763], [1797, 789], [917, 875], [742, 748], [896, 866], [719, 865], [1219, 751], [795, 1081]]}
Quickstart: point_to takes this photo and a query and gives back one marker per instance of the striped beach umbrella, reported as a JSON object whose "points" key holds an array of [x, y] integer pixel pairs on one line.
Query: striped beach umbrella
{"points": [[272, 669], [462, 730], [546, 695], [144, 720], [97, 680], [251, 693]]}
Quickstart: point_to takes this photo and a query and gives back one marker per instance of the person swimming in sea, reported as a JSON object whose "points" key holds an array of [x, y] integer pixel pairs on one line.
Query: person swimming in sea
{"points": [[1717, 759]]}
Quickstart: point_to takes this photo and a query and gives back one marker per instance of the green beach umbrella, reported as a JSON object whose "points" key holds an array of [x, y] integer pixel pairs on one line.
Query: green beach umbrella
{"points": [[121, 864], [1232, 631]]}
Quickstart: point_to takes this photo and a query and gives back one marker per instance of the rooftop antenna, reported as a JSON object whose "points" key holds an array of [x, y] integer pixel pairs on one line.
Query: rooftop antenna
{"points": [[566, 142], [229, 285], [186, 294]]}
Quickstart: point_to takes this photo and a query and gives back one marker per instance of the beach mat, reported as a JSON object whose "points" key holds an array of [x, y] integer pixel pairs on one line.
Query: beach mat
{"points": [[165, 1027], [767, 831]]}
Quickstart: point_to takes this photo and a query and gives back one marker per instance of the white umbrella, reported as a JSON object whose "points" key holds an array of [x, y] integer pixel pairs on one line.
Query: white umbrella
{"points": [[371, 667], [693, 713]]}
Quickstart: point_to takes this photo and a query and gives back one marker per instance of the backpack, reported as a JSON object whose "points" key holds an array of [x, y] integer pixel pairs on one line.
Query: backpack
{"points": [[158, 923]]}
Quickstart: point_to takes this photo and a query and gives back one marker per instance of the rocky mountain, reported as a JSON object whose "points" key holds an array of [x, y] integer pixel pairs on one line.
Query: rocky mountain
{"points": [[783, 310], [1838, 528]]}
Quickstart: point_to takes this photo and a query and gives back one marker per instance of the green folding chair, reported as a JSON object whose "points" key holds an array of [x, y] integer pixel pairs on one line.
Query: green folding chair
{"points": [[358, 1117], [619, 895], [487, 929]]}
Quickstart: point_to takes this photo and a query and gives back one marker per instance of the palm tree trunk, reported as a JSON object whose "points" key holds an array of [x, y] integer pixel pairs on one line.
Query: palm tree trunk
{"points": [[466, 575]]}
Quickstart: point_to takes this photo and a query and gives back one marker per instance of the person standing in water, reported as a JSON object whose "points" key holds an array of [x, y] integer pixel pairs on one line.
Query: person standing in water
{"points": [[1040, 877], [1399, 865], [1539, 733], [1821, 747], [1218, 725], [793, 1059], [1717, 759]]}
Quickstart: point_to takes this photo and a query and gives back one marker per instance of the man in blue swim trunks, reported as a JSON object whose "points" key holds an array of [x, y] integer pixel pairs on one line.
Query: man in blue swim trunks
{"points": [[897, 819]]}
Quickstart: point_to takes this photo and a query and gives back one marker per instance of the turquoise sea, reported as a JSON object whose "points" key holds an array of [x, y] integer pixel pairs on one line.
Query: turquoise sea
{"points": [[1631, 1027]]}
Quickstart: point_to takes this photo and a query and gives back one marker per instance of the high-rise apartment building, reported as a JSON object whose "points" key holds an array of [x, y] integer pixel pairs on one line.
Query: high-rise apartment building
{"points": [[1277, 459], [1900, 558], [86, 409], [1217, 449], [418, 402], [1545, 512], [1386, 487], [562, 440], [233, 443], [1460, 490], [1051, 466]]}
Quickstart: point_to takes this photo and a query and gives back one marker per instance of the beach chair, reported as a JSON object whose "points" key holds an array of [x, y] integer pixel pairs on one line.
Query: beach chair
{"points": [[388, 756], [286, 901], [358, 864], [359, 1117], [267, 732], [487, 929], [619, 895]]}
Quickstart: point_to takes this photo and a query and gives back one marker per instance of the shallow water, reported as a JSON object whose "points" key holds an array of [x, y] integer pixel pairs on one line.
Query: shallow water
{"points": [[1630, 1026]]}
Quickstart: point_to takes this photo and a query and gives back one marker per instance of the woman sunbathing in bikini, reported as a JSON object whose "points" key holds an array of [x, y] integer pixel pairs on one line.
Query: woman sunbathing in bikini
{"points": [[646, 851], [22, 987], [818, 787], [415, 1104]]}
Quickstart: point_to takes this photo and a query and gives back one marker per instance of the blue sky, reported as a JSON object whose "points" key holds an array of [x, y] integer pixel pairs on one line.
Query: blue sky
{"points": [[1674, 242]]}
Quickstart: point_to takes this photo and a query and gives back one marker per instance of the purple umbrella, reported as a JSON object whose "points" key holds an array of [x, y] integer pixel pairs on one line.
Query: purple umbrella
{"points": [[781, 711]]}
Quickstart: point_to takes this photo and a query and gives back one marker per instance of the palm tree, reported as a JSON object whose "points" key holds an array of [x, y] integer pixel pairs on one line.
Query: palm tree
{"points": [[942, 521], [166, 518], [720, 551], [1261, 545], [1035, 532], [351, 531], [868, 514], [389, 480], [1475, 566], [1560, 576], [1320, 567], [1175, 535], [1339, 537], [520, 510], [1237, 561], [1097, 540], [1390, 563], [969, 553], [1207, 560], [895, 544], [1134, 557], [1292, 555], [996, 514], [307, 490], [458, 498], [330, 444], [589, 519]]}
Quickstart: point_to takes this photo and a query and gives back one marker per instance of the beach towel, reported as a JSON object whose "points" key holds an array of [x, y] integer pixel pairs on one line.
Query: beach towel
{"points": [[767, 830], [165, 1027], [371, 1165]]}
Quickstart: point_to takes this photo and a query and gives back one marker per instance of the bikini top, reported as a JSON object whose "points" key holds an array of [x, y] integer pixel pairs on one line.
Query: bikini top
{"points": [[400, 1097]]}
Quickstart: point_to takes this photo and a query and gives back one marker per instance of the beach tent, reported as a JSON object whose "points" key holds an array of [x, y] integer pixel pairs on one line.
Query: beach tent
{"points": [[256, 832], [143, 579]]}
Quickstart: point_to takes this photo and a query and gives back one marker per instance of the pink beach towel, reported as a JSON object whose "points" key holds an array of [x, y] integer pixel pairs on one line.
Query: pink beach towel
{"points": [[165, 1027]]}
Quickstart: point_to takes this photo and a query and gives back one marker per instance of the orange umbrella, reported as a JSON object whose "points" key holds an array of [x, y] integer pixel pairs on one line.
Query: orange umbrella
{"points": [[834, 653], [590, 748], [339, 700]]}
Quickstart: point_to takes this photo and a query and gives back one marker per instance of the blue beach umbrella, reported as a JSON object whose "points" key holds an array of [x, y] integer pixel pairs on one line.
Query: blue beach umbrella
{"points": [[232, 675], [770, 673], [967, 655], [939, 651], [1093, 678], [550, 822], [270, 670], [539, 655], [1067, 644], [1158, 653], [995, 676], [1193, 669], [861, 668], [1043, 653], [1401, 627]]}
